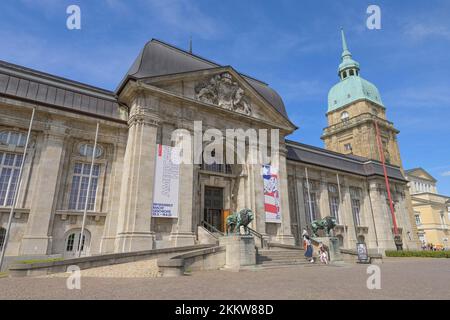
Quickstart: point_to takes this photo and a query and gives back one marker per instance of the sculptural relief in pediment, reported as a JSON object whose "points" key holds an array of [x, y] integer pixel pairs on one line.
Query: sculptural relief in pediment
{"points": [[222, 90]]}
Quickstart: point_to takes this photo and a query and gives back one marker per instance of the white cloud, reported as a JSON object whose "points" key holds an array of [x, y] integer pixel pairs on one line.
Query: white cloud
{"points": [[446, 174], [420, 31]]}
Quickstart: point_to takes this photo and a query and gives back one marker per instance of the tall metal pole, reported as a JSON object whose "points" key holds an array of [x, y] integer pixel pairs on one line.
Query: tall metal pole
{"points": [[386, 179], [309, 196], [83, 224], [16, 191]]}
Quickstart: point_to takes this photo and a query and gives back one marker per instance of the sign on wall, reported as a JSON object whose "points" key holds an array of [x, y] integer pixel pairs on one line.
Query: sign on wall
{"points": [[166, 188], [271, 195]]}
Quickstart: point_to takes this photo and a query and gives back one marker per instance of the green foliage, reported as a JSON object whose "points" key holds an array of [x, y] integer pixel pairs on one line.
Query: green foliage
{"points": [[39, 260], [420, 254]]}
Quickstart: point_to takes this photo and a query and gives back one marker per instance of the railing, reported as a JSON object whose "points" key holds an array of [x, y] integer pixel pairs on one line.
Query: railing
{"points": [[211, 228], [259, 236], [356, 120]]}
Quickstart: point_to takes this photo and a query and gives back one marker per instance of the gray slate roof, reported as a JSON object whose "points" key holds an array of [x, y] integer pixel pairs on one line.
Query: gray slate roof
{"points": [[158, 58], [34, 86], [332, 160]]}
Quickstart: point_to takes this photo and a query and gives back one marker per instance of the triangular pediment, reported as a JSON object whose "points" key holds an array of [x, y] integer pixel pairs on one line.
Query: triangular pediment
{"points": [[224, 88], [420, 173]]}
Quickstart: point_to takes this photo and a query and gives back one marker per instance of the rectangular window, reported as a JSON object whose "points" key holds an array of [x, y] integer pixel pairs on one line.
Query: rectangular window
{"points": [[333, 196], [9, 173], [356, 207], [310, 200], [355, 195], [418, 221], [80, 180]]}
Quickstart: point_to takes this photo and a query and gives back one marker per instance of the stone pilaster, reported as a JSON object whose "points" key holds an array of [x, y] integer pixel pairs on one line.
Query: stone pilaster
{"points": [[347, 215], [284, 234], [382, 220], [299, 179], [37, 239], [134, 233], [110, 231], [182, 234]]}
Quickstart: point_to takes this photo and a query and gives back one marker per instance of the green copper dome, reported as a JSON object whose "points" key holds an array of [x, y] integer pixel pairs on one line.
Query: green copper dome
{"points": [[352, 87]]}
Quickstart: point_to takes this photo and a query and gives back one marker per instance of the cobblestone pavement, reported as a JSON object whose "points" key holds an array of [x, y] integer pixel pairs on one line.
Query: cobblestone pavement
{"points": [[400, 279]]}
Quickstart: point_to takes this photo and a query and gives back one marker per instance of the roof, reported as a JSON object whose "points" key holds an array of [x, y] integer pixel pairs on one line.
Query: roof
{"points": [[351, 89], [34, 86], [308, 154], [158, 58]]}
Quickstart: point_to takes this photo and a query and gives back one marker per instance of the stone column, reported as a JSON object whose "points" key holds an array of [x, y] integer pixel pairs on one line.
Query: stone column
{"points": [[324, 202], [182, 234], [37, 239], [134, 223], [284, 234]]}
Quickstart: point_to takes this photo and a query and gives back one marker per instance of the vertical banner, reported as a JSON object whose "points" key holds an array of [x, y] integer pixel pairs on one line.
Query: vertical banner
{"points": [[271, 195], [167, 180]]}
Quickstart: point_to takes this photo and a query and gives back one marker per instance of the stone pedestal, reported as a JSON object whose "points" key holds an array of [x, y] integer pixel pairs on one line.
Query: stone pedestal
{"points": [[240, 251], [333, 248]]}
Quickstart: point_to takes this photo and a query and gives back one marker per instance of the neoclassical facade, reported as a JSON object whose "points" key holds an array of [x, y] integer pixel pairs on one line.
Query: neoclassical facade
{"points": [[167, 89]]}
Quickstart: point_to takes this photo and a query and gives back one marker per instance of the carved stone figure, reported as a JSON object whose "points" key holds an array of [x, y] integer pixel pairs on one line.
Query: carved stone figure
{"points": [[223, 91], [326, 224]]}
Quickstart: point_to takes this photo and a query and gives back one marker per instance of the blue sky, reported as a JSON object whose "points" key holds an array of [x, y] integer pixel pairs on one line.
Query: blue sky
{"points": [[292, 45]]}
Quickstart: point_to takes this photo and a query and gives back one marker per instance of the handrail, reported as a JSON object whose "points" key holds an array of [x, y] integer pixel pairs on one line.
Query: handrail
{"points": [[211, 228], [258, 235]]}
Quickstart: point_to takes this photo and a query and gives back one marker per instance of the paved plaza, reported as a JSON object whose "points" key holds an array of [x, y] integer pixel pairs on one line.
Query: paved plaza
{"points": [[400, 279]]}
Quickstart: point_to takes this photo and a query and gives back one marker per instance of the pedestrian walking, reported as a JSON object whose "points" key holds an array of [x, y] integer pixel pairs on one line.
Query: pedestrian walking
{"points": [[309, 249]]}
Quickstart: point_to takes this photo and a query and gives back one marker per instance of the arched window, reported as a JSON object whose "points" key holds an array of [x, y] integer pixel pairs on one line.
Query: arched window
{"points": [[2, 237], [14, 138], [72, 240], [87, 149], [345, 116]]}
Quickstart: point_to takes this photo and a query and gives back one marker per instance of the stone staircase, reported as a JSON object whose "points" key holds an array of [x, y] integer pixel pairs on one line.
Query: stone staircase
{"points": [[279, 258]]}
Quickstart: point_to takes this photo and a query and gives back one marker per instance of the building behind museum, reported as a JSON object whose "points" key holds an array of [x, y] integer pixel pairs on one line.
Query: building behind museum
{"points": [[431, 209], [166, 89]]}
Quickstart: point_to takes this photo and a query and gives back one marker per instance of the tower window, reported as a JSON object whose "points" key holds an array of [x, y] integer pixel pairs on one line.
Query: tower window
{"points": [[344, 116], [348, 147], [352, 73]]}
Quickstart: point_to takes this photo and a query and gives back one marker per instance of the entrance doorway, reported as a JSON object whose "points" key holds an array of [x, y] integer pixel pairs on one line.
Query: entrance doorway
{"points": [[213, 207]]}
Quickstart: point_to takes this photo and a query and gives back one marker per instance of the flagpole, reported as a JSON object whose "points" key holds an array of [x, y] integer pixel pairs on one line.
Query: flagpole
{"points": [[16, 190], [309, 196], [83, 224]]}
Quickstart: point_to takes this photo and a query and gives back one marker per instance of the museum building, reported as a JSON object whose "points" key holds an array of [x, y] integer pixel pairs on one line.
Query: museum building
{"points": [[166, 89]]}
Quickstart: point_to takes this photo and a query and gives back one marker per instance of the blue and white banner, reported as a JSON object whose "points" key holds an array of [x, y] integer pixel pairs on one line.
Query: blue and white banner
{"points": [[166, 187]]}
